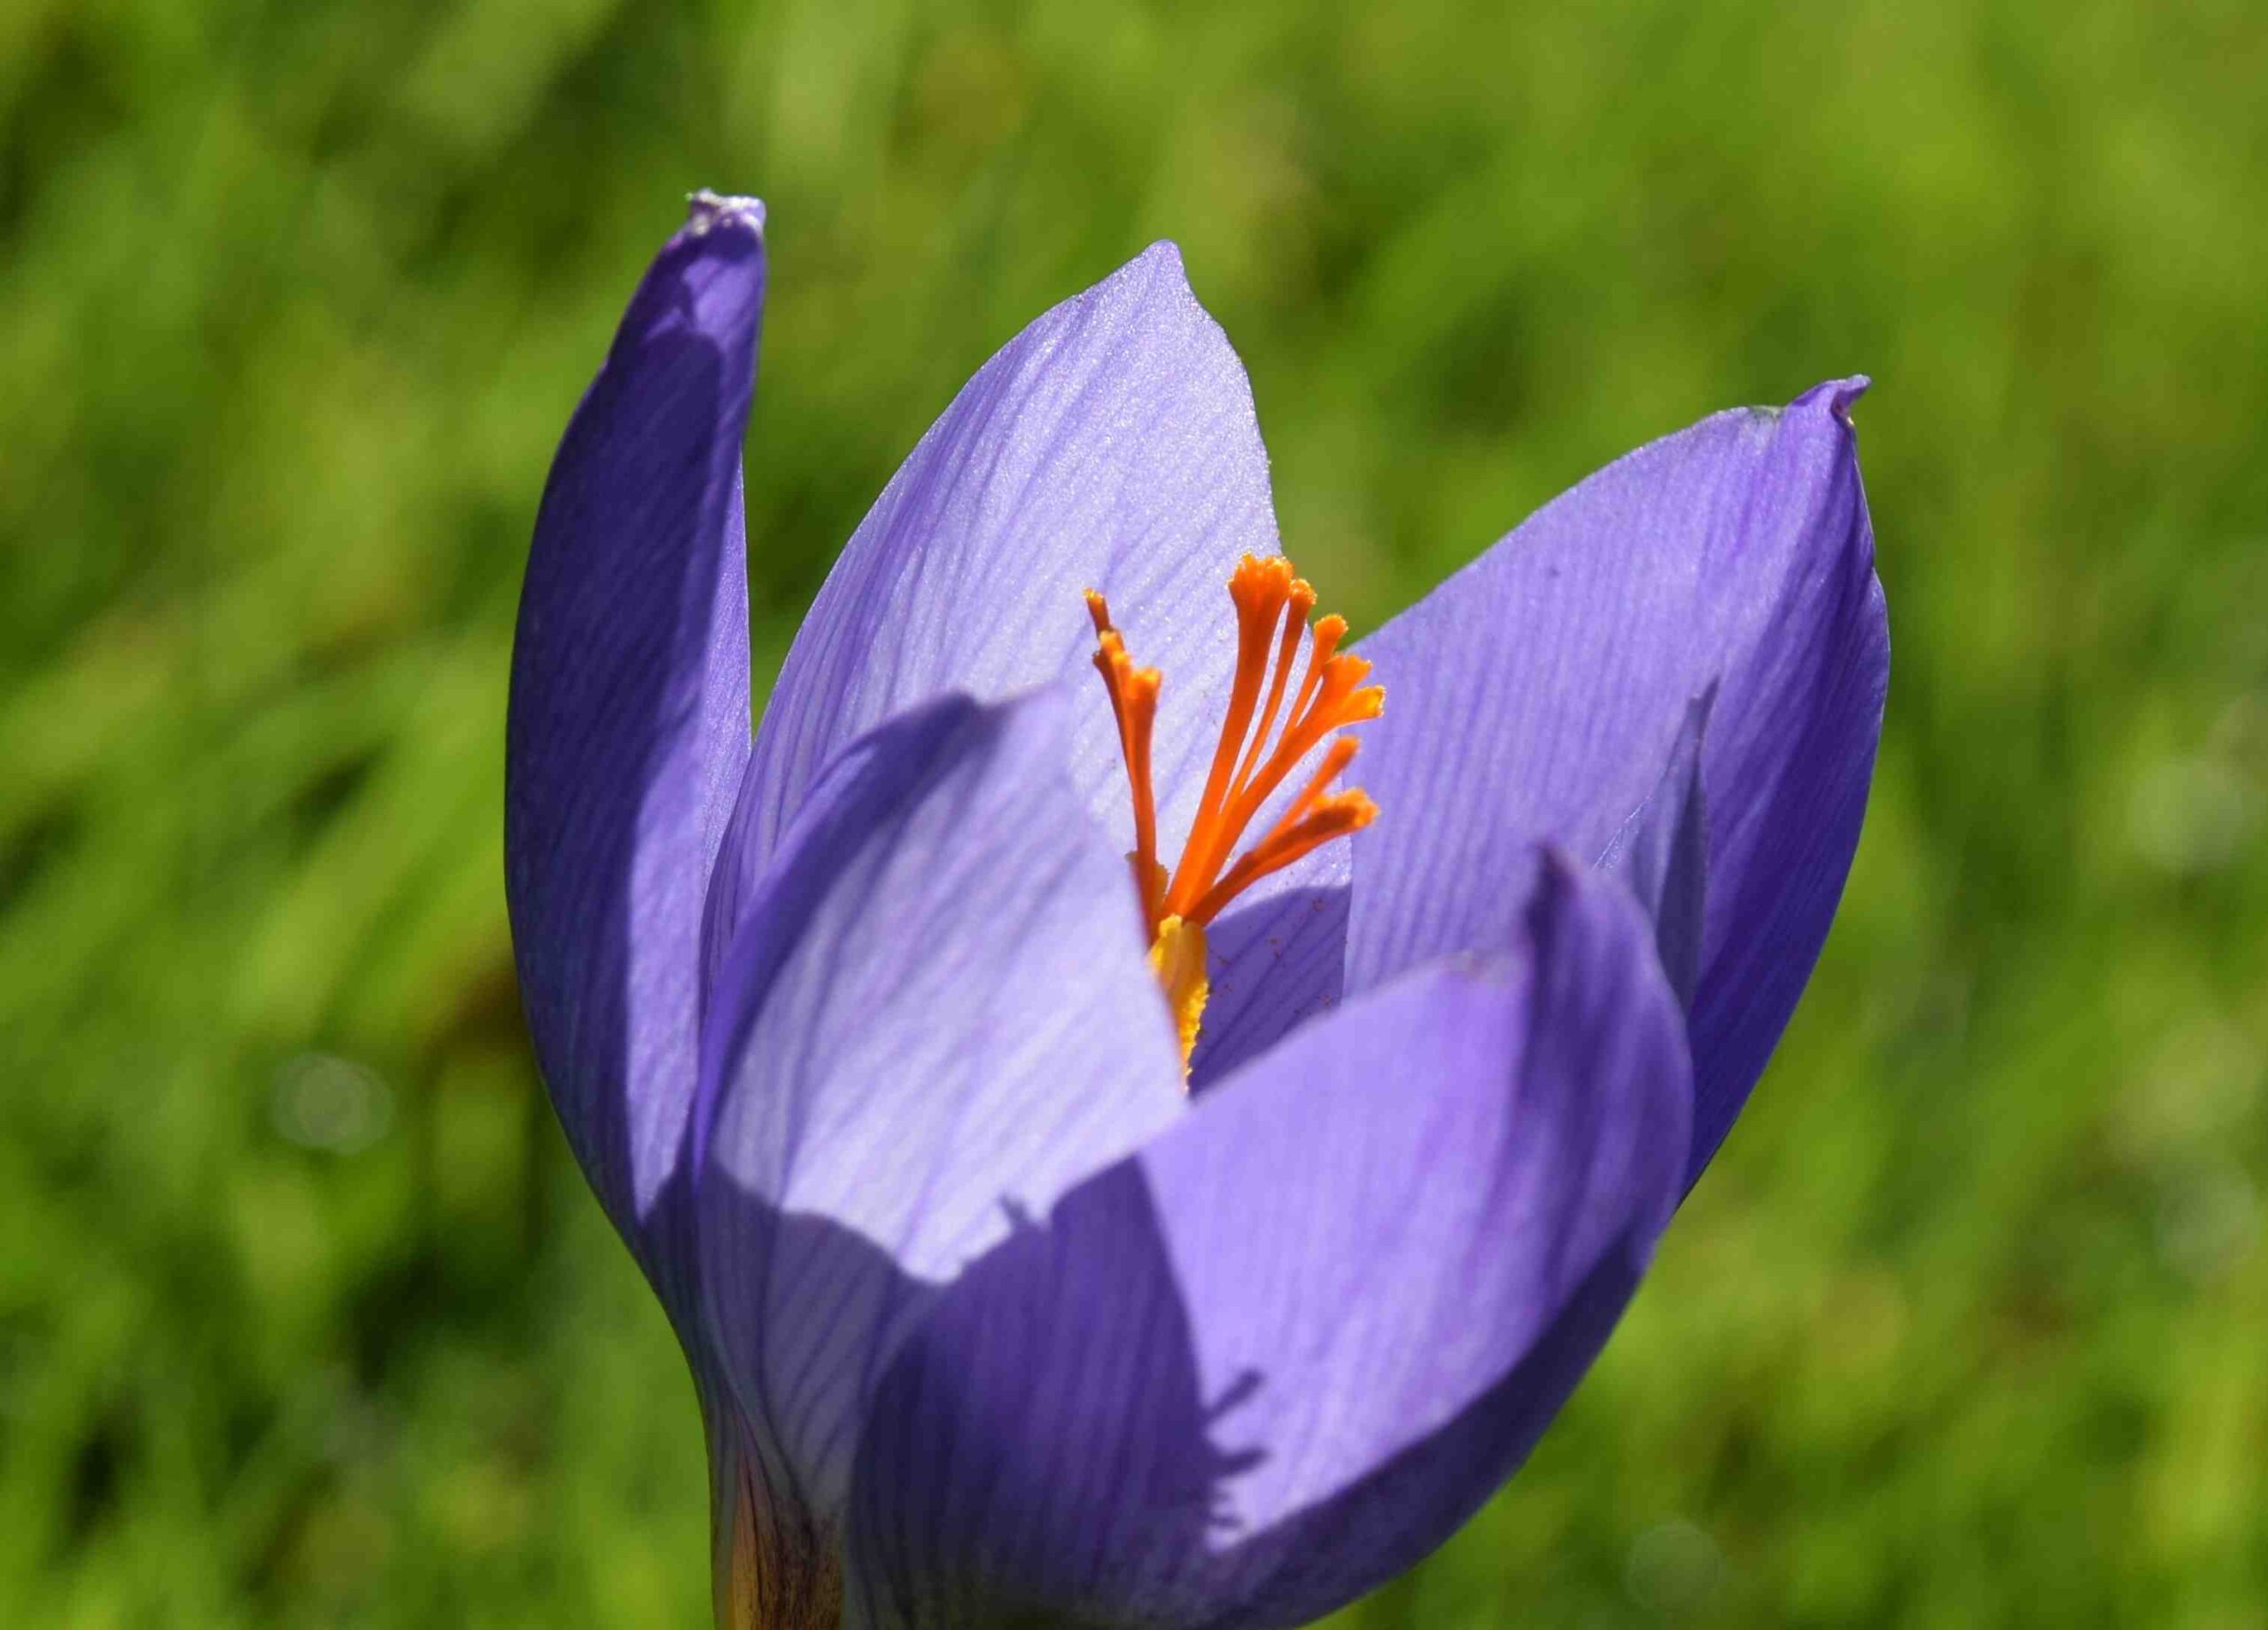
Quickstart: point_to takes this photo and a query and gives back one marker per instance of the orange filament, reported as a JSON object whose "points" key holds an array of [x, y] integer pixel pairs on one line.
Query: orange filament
{"points": [[1272, 608]]}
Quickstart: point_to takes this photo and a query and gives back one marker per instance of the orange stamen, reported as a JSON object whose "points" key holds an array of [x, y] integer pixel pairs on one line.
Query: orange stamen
{"points": [[1300, 602], [1259, 589], [1246, 772], [1336, 702], [1247, 769], [1134, 699], [1341, 815]]}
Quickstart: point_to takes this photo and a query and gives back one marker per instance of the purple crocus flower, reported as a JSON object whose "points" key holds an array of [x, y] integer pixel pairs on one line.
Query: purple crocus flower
{"points": [[1006, 1305]]}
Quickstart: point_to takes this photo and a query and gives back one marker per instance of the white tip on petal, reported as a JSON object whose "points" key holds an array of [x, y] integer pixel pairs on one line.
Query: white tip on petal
{"points": [[706, 210]]}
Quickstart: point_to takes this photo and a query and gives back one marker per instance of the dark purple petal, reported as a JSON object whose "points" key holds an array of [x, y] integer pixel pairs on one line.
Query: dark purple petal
{"points": [[1278, 960], [629, 721], [1284, 1351], [1539, 692], [1661, 854], [935, 1015], [1109, 446]]}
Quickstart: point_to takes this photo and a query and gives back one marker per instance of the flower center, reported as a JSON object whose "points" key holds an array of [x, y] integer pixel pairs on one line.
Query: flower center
{"points": [[1248, 767]]}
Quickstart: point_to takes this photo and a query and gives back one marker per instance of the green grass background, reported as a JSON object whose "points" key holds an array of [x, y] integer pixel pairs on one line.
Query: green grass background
{"points": [[306, 1317]]}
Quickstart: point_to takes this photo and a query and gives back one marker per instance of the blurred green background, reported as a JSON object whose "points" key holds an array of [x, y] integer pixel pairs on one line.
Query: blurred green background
{"points": [[306, 1317]]}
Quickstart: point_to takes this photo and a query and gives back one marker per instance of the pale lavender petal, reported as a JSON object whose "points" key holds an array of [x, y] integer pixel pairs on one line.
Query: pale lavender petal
{"points": [[1109, 446], [629, 719], [1539, 692], [1288, 1348], [935, 1015]]}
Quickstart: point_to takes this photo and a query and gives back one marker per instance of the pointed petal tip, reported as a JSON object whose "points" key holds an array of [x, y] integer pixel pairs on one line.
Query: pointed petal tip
{"points": [[1837, 396], [1162, 256], [1158, 268], [707, 211], [709, 277]]}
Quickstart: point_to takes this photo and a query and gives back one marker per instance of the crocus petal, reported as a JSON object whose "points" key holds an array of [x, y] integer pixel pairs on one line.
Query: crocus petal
{"points": [[1110, 445], [1661, 853], [629, 718], [1278, 958], [1541, 691], [936, 1014], [1285, 1350]]}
